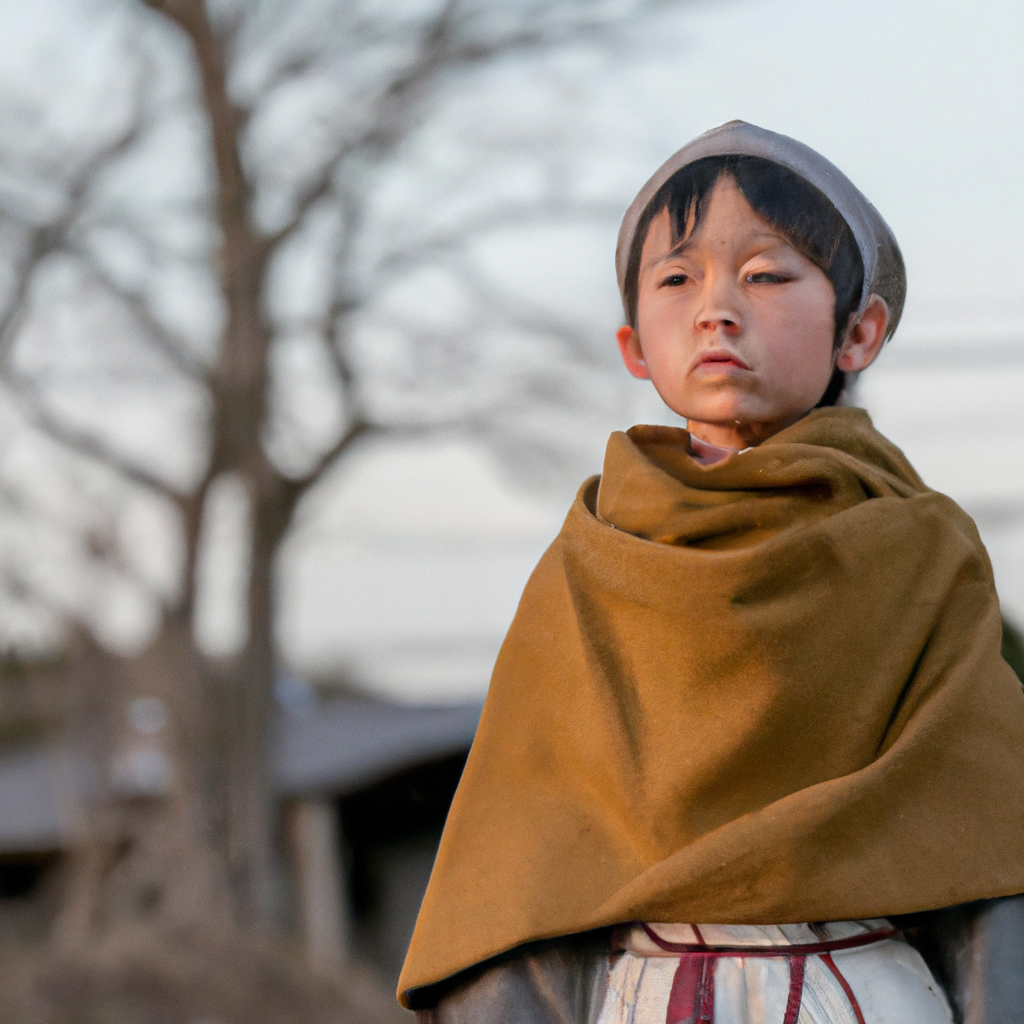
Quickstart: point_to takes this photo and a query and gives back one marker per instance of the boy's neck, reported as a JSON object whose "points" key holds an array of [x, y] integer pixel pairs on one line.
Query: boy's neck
{"points": [[738, 436]]}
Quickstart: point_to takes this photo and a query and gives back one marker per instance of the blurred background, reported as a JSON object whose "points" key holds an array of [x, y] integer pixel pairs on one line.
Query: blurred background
{"points": [[306, 342]]}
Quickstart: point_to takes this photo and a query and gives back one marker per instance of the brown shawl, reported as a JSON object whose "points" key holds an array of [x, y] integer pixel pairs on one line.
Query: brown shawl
{"points": [[766, 690]]}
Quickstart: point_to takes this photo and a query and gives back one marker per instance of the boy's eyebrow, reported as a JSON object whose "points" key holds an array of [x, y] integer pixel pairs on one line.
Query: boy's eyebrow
{"points": [[680, 247]]}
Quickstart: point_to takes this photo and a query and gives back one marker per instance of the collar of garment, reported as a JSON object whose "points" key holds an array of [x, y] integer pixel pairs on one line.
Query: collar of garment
{"points": [[708, 454]]}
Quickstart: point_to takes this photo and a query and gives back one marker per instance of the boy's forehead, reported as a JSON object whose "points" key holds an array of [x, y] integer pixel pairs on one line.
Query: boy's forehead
{"points": [[732, 219]]}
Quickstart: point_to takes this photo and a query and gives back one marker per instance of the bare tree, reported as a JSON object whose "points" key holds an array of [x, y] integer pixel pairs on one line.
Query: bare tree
{"points": [[296, 244]]}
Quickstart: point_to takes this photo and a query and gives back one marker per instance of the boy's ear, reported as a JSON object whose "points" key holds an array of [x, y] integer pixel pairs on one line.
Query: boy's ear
{"points": [[632, 354], [865, 337]]}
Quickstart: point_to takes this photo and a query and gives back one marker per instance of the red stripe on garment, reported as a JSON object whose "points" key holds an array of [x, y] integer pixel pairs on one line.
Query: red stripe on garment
{"points": [[797, 966], [692, 998], [685, 983], [834, 968], [795, 949]]}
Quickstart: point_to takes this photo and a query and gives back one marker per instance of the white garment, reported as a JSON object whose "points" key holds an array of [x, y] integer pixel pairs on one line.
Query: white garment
{"points": [[888, 978]]}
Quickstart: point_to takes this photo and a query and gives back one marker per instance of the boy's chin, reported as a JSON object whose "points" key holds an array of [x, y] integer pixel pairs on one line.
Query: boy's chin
{"points": [[741, 409], [718, 413]]}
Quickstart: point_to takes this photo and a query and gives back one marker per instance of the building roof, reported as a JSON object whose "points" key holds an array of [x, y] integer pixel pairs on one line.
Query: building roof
{"points": [[332, 748], [341, 746], [29, 817]]}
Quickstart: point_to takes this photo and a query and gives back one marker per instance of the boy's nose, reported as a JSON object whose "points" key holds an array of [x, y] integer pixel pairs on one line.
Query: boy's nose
{"points": [[718, 317], [719, 322], [716, 312]]}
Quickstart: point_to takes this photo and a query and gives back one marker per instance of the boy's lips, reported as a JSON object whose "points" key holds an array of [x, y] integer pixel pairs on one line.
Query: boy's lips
{"points": [[719, 358]]}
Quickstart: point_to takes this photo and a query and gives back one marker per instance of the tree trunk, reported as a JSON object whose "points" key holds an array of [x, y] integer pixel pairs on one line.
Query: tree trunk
{"points": [[251, 818], [183, 823], [146, 855], [238, 386]]}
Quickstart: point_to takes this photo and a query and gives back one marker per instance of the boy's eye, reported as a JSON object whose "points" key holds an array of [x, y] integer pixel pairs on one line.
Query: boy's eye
{"points": [[764, 277], [673, 280]]}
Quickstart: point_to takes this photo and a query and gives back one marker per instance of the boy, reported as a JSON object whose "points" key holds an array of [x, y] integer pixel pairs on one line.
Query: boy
{"points": [[756, 680]]}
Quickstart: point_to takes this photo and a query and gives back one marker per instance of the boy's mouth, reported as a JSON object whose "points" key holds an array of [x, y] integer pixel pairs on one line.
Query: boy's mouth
{"points": [[719, 358]]}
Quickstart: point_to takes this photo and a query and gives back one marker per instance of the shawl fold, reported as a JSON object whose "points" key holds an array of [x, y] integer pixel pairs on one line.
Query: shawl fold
{"points": [[764, 691]]}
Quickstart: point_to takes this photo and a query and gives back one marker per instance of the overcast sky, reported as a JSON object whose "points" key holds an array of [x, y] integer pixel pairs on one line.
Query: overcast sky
{"points": [[920, 102]]}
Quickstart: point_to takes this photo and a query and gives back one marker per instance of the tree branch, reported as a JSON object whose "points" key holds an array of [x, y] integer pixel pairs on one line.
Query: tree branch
{"points": [[513, 214], [390, 116], [365, 428], [44, 239], [81, 442], [166, 342], [357, 429], [531, 317], [383, 112], [100, 541], [15, 583]]}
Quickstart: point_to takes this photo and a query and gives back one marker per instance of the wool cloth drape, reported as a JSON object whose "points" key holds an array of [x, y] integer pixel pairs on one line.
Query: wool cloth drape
{"points": [[763, 691]]}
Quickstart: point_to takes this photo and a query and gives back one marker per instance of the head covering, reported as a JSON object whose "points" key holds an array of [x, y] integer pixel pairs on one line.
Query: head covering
{"points": [[884, 272]]}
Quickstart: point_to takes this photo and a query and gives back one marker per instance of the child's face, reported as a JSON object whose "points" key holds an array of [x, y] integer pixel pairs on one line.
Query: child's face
{"points": [[735, 327]]}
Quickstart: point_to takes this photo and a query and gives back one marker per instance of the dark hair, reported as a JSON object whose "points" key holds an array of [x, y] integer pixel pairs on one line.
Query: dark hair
{"points": [[788, 202]]}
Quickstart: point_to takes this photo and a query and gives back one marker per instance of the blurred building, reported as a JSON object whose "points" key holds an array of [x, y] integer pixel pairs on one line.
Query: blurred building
{"points": [[364, 788]]}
